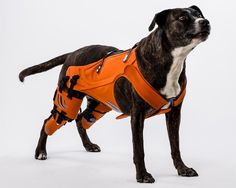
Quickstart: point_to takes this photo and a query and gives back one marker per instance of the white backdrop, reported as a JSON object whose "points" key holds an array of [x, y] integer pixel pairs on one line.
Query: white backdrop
{"points": [[33, 31]]}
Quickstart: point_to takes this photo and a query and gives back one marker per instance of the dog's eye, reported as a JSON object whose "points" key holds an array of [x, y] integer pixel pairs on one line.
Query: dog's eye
{"points": [[183, 18], [199, 15]]}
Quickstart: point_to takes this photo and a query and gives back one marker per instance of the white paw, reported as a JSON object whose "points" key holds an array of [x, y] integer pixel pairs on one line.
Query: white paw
{"points": [[42, 156]]}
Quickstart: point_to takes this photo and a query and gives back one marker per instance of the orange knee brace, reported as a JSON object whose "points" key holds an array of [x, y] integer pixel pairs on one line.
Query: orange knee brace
{"points": [[51, 125], [93, 114], [65, 109]]}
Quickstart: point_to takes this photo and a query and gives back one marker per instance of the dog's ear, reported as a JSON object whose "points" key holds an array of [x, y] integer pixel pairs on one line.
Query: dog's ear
{"points": [[159, 19], [197, 9]]}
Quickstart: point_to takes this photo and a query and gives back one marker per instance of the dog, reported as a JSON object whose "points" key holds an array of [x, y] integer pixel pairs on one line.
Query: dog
{"points": [[161, 60]]}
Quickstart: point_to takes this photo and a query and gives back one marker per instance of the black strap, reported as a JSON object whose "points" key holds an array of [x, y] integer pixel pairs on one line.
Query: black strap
{"points": [[73, 82], [61, 115], [63, 82], [63, 87]]}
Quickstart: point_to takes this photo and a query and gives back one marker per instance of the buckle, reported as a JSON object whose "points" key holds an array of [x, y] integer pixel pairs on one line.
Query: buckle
{"points": [[171, 101]]}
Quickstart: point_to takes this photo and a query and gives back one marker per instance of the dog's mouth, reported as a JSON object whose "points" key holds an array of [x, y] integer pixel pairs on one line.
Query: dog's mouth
{"points": [[201, 34]]}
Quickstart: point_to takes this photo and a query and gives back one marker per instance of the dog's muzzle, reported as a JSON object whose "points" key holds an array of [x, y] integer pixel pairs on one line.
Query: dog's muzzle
{"points": [[203, 29]]}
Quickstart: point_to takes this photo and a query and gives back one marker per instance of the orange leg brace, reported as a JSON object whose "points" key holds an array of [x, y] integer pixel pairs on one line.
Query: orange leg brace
{"points": [[65, 109], [93, 113]]}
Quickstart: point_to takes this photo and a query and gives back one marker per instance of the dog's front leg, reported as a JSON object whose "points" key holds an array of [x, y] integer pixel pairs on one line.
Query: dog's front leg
{"points": [[173, 123], [137, 123]]}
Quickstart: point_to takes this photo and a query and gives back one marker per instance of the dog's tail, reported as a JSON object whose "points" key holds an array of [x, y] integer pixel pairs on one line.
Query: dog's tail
{"points": [[43, 66]]}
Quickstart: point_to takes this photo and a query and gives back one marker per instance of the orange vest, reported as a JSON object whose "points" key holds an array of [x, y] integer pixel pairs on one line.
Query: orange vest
{"points": [[98, 79]]}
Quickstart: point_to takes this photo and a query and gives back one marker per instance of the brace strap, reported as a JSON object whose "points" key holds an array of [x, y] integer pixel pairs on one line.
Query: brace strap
{"points": [[66, 107], [73, 82]]}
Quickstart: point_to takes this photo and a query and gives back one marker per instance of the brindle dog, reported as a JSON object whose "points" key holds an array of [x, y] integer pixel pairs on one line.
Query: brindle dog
{"points": [[161, 59]]}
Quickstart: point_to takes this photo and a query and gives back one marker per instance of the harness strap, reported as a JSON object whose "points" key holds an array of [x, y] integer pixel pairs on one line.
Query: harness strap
{"points": [[143, 88], [176, 102], [181, 96]]}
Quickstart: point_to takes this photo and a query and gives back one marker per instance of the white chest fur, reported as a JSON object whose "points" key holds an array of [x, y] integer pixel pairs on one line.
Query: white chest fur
{"points": [[172, 88]]}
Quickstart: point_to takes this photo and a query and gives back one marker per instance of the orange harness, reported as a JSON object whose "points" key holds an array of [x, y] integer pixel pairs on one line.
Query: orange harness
{"points": [[97, 80]]}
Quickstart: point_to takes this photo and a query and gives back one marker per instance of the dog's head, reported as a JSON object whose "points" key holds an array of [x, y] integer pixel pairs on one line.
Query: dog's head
{"points": [[182, 26]]}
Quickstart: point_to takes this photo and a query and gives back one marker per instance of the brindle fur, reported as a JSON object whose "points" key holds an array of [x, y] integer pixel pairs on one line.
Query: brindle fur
{"points": [[154, 60]]}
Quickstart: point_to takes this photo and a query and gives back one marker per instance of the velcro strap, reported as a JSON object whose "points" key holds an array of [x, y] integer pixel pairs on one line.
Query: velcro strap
{"points": [[65, 106]]}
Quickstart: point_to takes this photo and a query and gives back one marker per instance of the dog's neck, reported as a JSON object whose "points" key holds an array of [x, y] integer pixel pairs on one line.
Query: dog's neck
{"points": [[161, 64], [179, 54]]}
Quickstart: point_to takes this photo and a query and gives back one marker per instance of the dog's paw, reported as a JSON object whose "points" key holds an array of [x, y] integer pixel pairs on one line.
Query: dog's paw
{"points": [[187, 172], [145, 178], [40, 155], [92, 147]]}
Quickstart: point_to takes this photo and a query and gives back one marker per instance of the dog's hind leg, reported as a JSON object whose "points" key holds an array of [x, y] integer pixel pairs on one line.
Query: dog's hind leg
{"points": [[86, 119], [65, 109], [173, 123], [40, 152], [88, 145]]}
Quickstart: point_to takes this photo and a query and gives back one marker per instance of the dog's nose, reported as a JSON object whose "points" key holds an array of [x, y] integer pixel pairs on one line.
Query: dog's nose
{"points": [[204, 22]]}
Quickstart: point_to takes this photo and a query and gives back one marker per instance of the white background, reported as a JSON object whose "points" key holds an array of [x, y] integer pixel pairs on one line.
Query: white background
{"points": [[33, 31]]}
